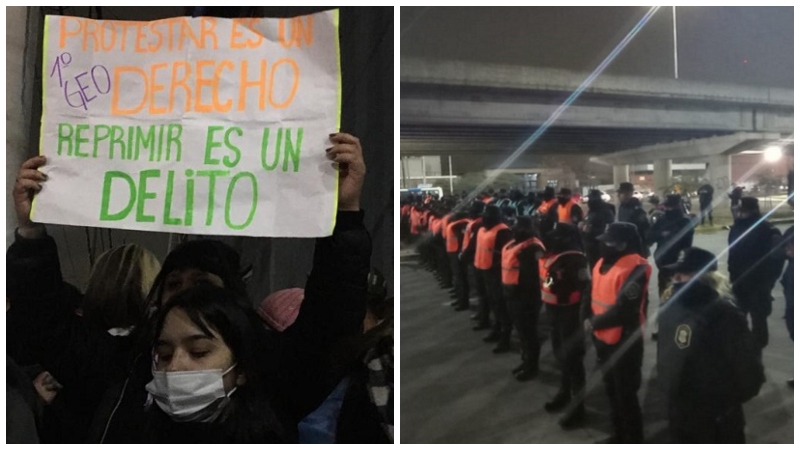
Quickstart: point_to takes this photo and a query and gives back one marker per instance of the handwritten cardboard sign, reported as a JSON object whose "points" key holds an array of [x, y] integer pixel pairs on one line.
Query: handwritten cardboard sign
{"points": [[191, 125]]}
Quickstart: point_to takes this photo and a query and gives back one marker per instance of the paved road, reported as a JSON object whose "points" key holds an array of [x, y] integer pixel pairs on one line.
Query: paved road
{"points": [[454, 390]]}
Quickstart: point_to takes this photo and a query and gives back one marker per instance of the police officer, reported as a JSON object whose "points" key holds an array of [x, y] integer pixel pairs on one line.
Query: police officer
{"points": [[565, 284], [706, 195], [492, 237], [520, 277], [454, 236], [753, 265], [546, 212], [600, 214], [708, 362], [631, 211], [442, 263], [567, 210], [671, 233], [467, 257], [619, 288]]}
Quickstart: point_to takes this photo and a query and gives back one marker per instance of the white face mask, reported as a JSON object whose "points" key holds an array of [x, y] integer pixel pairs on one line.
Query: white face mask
{"points": [[191, 396]]}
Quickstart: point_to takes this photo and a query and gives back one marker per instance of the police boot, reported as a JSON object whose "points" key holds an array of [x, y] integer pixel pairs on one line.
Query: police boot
{"points": [[528, 373], [503, 346], [482, 326], [494, 336], [560, 401], [574, 418]]}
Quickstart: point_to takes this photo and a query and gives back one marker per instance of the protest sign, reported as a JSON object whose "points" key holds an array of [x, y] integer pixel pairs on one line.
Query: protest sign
{"points": [[191, 125]]}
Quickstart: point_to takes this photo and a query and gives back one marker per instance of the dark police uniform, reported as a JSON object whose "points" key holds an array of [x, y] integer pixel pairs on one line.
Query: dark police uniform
{"points": [[708, 362]]}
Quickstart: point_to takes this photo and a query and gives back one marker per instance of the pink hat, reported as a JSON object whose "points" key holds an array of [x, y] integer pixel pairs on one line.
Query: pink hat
{"points": [[279, 310]]}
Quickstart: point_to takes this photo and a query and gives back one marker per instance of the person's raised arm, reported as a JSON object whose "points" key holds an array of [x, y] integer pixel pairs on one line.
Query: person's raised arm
{"points": [[335, 300]]}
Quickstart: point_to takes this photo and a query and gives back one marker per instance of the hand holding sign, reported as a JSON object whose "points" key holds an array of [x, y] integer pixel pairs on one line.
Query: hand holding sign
{"points": [[28, 184], [346, 151]]}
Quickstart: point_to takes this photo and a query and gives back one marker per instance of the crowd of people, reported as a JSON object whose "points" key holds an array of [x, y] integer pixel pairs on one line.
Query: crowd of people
{"points": [[591, 270], [176, 352]]}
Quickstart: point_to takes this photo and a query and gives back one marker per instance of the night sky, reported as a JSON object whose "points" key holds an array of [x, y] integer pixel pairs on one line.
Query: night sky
{"points": [[742, 45]]}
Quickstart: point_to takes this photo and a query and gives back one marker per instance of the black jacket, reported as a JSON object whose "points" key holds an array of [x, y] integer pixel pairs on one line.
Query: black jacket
{"points": [[706, 194], [672, 232], [632, 212], [333, 308], [755, 258], [707, 359]]}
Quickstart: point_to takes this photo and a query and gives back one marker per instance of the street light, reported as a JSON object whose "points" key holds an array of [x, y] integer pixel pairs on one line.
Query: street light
{"points": [[675, 40], [773, 154]]}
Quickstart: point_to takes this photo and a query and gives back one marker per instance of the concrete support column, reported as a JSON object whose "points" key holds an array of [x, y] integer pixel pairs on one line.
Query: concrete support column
{"points": [[662, 175], [718, 174], [622, 173]]}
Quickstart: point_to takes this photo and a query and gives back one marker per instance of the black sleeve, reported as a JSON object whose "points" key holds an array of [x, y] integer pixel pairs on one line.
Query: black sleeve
{"points": [[743, 354], [567, 273], [333, 309], [629, 302], [57, 338], [576, 214], [643, 224], [529, 268], [504, 236], [33, 268]]}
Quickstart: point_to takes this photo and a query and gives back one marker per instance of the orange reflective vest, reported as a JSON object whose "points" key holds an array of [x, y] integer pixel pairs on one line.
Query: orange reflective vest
{"points": [[484, 250], [470, 231], [424, 219], [544, 208], [565, 212], [445, 222], [415, 216], [548, 296], [450, 236], [510, 259], [605, 290], [435, 225]]}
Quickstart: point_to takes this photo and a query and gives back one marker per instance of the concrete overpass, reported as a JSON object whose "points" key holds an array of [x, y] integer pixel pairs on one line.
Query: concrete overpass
{"points": [[465, 108]]}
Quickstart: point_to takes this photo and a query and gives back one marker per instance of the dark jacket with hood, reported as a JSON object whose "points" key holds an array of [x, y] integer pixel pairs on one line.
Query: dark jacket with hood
{"points": [[334, 308], [707, 359]]}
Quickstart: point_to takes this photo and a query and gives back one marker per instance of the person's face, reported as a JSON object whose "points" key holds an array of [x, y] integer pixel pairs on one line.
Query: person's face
{"points": [[681, 277], [180, 280], [623, 196], [182, 346]]}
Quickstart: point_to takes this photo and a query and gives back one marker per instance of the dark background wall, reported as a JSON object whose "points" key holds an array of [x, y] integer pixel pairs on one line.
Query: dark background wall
{"points": [[367, 51]]}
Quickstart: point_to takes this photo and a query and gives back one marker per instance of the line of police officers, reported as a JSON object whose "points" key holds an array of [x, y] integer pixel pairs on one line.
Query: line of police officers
{"points": [[592, 275]]}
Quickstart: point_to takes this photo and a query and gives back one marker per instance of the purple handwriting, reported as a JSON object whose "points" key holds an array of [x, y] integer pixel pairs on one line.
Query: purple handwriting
{"points": [[81, 89]]}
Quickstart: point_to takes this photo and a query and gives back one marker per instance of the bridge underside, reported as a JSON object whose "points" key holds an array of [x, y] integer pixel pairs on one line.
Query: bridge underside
{"points": [[475, 140]]}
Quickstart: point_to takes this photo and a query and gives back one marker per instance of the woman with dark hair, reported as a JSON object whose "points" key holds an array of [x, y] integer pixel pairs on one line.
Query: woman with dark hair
{"points": [[210, 376]]}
